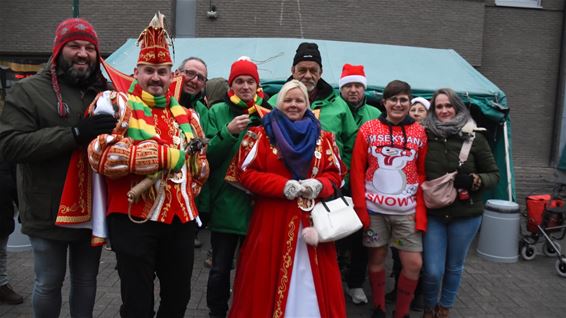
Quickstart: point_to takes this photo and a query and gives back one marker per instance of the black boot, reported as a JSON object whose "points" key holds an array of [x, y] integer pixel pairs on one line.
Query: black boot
{"points": [[9, 296]]}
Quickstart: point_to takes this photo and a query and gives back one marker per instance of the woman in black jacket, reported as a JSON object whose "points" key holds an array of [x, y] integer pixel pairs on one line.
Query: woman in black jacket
{"points": [[451, 229]]}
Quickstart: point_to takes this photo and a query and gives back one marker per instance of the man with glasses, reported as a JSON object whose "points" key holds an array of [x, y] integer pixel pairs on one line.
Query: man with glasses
{"points": [[195, 73], [385, 176]]}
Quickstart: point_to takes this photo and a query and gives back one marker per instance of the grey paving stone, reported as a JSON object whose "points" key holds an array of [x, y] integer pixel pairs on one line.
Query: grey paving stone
{"points": [[522, 289]]}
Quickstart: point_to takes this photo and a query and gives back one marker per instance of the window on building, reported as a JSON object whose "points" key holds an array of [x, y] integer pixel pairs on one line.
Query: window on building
{"points": [[519, 3]]}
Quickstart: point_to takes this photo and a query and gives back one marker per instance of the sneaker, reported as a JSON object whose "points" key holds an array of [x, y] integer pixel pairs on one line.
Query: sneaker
{"points": [[378, 313], [9, 296], [391, 297], [358, 296]]}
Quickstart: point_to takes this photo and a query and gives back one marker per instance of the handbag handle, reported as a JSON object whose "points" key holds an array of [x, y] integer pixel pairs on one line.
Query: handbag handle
{"points": [[337, 194]]}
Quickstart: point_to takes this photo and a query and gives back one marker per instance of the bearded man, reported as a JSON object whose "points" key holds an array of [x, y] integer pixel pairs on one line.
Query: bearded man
{"points": [[42, 124]]}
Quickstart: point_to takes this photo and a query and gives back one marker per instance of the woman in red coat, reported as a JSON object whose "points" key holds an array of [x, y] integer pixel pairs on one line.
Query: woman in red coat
{"points": [[286, 163]]}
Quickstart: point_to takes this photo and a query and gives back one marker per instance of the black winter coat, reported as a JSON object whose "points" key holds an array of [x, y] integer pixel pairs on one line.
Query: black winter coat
{"points": [[33, 135], [8, 196], [442, 157]]}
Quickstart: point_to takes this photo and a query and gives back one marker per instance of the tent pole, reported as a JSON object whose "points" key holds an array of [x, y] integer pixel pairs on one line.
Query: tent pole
{"points": [[507, 161]]}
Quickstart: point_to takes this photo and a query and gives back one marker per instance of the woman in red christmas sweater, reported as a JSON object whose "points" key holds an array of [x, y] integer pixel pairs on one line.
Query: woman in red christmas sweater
{"points": [[386, 171]]}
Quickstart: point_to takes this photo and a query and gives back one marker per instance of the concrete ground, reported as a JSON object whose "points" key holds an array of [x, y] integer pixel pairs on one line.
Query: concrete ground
{"points": [[489, 289]]}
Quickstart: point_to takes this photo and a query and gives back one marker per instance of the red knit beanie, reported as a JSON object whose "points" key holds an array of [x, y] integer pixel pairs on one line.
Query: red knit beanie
{"points": [[243, 66], [69, 30]]}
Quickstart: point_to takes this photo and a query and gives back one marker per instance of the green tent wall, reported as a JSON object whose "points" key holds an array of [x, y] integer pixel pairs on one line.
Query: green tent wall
{"points": [[424, 69]]}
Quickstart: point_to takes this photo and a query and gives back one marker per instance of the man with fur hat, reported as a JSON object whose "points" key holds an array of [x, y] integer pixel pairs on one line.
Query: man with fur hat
{"points": [[327, 106], [230, 207], [42, 124], [157, 146]]}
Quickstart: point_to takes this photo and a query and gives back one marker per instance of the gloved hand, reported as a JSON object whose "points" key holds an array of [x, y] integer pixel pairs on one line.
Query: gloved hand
{"points": [[292, 189], [311, 188], [90, 127], [463, 181]]}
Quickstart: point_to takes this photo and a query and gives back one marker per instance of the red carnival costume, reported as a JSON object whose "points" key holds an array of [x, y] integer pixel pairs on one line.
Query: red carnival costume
{"points": [[267, 256], [154, 165]]}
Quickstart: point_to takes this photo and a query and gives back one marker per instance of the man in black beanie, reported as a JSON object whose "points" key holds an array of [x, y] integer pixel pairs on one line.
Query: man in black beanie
{"points": [[328, 107]]}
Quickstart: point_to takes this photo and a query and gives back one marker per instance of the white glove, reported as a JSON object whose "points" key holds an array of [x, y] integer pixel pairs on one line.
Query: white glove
{"points": [[312, 188], [292, 189]]}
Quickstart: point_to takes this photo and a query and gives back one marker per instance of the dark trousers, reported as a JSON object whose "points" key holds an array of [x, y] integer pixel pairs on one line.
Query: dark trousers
{"points": [[144, 249], [224, 247], [357, 268]]}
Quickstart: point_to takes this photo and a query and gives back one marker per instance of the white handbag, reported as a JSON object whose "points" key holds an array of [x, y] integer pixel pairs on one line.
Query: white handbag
{"points": [[335, 219]]}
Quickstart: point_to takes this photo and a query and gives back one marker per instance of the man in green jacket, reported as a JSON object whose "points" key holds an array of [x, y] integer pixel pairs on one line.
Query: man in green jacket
{"points": [[195, 73], [353, 84], [41, 125], [230, 207], [194, 70], [327, 105]]}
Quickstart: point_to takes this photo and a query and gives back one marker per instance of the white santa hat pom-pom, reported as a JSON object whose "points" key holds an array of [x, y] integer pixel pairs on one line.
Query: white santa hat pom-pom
{"points": [[244, 58], [310, 235]]}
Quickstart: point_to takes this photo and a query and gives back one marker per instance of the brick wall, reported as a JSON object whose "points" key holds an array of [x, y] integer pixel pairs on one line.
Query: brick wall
{"points": [[426, 23], [27, 27], [521, 56]]}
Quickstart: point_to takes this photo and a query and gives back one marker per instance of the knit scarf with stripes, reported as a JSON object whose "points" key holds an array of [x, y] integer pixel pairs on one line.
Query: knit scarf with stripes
{"points": [[249, 106], [141, 123]]}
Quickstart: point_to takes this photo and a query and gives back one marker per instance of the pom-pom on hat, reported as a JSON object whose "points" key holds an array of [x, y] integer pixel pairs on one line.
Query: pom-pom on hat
{"points": [[307, 52], [352, 74], [73, 29], [422, 101], [243, 66], [154, 43]]}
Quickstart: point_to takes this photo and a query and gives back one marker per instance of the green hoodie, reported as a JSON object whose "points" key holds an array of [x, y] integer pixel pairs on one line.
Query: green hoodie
{"points": [[363, 113], [230, 207]]}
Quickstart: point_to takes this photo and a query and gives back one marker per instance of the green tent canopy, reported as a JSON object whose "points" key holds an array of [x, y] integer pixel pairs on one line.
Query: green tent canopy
{"points": [[424, 69]]}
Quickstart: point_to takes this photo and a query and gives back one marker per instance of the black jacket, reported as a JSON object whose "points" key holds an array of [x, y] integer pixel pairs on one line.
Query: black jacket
{"points": [[8, 196]]}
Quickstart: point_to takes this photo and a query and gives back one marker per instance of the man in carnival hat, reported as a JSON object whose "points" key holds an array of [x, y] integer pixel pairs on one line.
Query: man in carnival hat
{"points": [[160, 152], [42, 124]]}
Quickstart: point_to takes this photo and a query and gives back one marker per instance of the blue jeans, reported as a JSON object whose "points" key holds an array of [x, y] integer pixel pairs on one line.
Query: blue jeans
{"points": [[50, 264], [445, 246]]}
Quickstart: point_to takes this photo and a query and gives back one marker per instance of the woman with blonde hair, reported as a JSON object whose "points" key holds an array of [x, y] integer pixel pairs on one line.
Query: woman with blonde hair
{"points": [[286, 164]]}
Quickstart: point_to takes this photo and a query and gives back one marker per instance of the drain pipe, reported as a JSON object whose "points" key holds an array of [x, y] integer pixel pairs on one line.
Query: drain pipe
{"points": [[559, 134]]}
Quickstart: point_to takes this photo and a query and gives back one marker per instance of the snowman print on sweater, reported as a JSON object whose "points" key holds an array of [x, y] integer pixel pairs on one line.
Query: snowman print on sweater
{"points": [[391, 162]]}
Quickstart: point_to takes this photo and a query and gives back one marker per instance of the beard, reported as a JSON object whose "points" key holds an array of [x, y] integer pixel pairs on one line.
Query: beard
{"points": [[74, 76]]}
